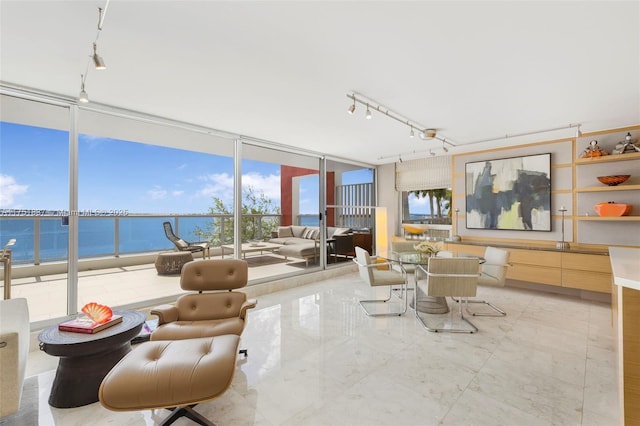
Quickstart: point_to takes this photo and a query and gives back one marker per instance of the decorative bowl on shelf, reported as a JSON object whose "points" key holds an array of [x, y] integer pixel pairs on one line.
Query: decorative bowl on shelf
{"points": [[613, 180], [612, 209]]}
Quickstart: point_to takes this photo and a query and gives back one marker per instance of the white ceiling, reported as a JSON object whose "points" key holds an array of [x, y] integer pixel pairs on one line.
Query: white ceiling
{"points": [[280, 71]]}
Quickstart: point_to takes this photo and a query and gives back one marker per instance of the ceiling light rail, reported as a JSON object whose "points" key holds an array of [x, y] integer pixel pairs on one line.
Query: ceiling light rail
{"points": [[423, 131], [97, 60], [534, 132]]}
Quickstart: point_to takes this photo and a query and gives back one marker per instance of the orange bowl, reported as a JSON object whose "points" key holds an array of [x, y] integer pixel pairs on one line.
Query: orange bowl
{"points": [[613, 180], [613, 209]]}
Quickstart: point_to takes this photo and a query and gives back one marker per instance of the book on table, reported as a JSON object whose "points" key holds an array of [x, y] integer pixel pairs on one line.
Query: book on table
{"points": [[86, 325]]}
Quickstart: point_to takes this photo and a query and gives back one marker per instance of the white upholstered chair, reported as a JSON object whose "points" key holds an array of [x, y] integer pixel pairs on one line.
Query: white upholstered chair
{"points": [[447, 277], [493, 272], [14, 351], [378, 274]]}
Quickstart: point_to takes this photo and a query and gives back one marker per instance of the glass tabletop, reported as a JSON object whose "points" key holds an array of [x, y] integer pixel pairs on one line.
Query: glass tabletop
{"points": [[416, 258]]}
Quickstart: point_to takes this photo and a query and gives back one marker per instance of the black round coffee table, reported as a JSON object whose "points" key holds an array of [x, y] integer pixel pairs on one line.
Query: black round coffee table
{"points": [[86, 358]]}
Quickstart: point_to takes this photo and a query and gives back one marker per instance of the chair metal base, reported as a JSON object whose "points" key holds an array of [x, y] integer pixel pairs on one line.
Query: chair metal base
{"points": [[471, 330], [385, 314], [499, 312], [188, 412]]}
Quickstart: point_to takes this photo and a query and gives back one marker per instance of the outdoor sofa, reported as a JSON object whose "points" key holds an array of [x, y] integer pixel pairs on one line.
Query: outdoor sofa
{"points": [[303, 242]]}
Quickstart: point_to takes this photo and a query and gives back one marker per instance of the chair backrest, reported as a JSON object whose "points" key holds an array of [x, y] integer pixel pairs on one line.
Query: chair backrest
{"points": [[452, 276], [494, 270], [363, 259], [214, 274], [168, 231]]}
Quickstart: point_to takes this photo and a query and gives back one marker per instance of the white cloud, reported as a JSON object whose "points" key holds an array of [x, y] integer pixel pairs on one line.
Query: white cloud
{"points": [[268, 185], [9, 188], [220, 185], [177, 193], [157, 193]]}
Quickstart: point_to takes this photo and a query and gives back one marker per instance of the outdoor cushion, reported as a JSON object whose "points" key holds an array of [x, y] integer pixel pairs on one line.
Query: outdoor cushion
{"points": [[284, 232]]}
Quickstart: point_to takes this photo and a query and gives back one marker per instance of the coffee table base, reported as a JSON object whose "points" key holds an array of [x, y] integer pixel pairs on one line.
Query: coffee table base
{"points": [[78, 378]]}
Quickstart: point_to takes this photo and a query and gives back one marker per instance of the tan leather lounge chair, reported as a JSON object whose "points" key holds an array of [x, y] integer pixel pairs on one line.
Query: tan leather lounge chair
{"points": [[214, 309], [173, 374]]}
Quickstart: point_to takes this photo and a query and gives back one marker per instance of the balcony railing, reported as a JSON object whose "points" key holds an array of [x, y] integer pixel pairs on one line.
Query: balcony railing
{"points": [[44, 238]]}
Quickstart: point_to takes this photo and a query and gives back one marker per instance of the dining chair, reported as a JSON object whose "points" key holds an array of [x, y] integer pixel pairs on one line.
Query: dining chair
{"points": [[378, 274], [492, 272], [447, 277]]}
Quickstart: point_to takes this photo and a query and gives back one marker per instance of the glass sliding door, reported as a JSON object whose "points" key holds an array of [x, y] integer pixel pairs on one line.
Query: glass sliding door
{"points": [[34, 202], [281, 218], [134, 176], [350, 195]]}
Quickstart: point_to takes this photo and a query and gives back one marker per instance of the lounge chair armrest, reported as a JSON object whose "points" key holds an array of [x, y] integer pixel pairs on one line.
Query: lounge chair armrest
{"points": [[165, 313], [248, 304]]}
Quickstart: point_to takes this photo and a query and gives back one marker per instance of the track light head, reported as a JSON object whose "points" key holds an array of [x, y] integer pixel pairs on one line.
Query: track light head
{"points": [[368, 115], [97, 60], [411, 134], [578, 132], [444, 147], [352, 108], [83, 96], [431, 153]]}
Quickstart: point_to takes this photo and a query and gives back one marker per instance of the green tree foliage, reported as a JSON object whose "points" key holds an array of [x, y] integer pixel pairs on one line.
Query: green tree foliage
{"points": [[439, 200], [254, 225]]}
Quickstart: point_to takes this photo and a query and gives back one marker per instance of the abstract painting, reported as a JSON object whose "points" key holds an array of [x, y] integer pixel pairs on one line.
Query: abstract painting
{"points": [[509, 193]]}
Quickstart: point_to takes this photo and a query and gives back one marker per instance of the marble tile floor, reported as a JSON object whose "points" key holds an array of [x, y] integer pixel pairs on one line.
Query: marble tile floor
{"points": [[315, 358]]}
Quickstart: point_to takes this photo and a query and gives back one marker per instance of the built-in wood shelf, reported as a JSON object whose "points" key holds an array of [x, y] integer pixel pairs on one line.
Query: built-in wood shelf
{"points": [[608, 188], [609, 218], [608, 158]]}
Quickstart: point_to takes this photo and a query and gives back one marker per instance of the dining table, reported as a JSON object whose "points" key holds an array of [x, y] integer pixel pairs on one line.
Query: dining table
{"points": [[410, 260]]}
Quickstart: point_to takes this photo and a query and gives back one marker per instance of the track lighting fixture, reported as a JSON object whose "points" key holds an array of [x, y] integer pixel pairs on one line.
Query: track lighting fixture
{"points": [[431, 152], [97, 60], [426, 133], [578, 131], [399, 158], [83, 96], [352, 108], [444, 147]]}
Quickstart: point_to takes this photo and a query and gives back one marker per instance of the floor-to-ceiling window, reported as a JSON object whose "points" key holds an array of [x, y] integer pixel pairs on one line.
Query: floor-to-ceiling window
{"points": [[34, 200], [88, 188]]}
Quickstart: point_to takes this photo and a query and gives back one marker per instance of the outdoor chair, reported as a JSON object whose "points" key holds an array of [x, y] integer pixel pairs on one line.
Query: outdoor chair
{"points": [[182, 245]]}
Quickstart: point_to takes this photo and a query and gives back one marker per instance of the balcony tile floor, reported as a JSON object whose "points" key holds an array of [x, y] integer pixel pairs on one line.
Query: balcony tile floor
{"points": [[316, 359]]}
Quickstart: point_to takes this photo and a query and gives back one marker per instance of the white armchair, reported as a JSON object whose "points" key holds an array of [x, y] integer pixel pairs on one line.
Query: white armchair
{"points": [[14, 351]]}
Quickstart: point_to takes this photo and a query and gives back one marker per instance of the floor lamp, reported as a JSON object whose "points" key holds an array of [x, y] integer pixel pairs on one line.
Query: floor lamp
{"points": [[382, 240]]}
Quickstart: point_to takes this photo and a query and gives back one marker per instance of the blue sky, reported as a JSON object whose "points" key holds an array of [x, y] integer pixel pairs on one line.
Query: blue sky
{"points": [[119, 175]]}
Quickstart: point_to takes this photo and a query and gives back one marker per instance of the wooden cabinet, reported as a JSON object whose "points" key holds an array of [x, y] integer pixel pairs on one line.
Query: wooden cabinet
{"points": [[582, 271], [586, 271]]}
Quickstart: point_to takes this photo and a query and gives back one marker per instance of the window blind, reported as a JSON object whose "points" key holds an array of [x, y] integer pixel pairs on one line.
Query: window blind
{"points": [[424, 173]]}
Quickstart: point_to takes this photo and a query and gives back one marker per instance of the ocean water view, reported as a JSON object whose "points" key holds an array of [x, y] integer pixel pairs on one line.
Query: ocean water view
{"points": [[96, 236]]}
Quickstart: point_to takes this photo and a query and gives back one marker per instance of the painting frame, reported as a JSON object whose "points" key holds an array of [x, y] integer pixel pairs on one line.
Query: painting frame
{"points": [[512, 193]]}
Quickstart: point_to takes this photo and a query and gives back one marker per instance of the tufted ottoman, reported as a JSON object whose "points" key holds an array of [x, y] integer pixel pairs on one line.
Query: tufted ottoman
{"points": [[171, 374], [172, 262]]}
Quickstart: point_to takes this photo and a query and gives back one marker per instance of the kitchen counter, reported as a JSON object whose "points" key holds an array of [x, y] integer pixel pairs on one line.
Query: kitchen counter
{"points": [[625, 265]]}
